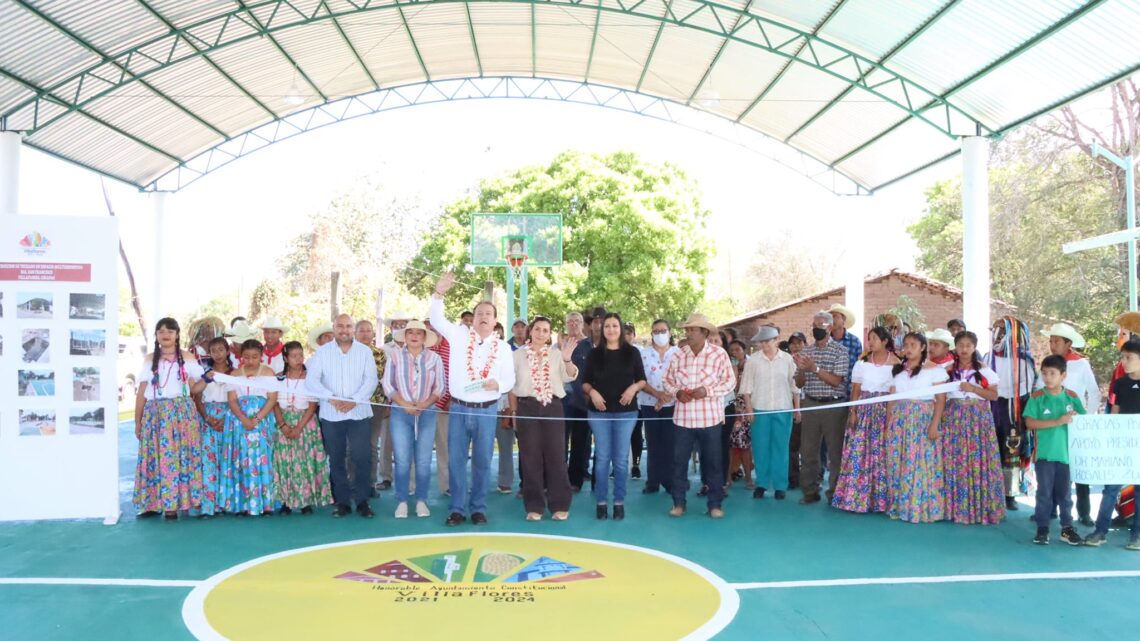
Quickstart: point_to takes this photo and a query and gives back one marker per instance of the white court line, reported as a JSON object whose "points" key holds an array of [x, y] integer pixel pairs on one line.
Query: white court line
{"points": [[134, 583], [958, 578]]}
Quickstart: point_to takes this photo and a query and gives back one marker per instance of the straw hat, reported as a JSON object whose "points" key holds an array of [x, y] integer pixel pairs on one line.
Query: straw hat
{"points": [[700, 320], [847, 313], [398, 316], [241, 332], [272, 322], [1065, 330], [315, 333], [942, 336], [766, 333], [430, 339], [1129, 321]]}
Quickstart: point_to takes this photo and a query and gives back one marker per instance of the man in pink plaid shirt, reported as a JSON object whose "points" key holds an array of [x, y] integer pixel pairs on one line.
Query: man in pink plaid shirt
{"points": [[700, 376]]}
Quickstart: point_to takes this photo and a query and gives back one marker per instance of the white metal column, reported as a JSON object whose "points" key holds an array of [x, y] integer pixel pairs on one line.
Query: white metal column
{"points": [[976, 234], [158, 204], [855, 266], [9, 173]]}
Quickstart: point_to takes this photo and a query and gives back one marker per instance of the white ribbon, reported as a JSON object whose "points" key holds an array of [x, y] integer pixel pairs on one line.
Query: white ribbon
{"points": [[273, 385]]}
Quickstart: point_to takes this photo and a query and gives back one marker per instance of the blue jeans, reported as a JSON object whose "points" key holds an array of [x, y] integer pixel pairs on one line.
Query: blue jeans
{"points": [[1107, 505], [708, 439], [409, 442], [771, 434], [1054, 490], [340, 437], [470, 435], [611, 448], [659, 440]]}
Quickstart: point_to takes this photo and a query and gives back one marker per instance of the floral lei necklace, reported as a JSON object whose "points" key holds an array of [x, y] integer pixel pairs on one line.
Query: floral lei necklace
{"points": [[540, 374], [472, 339]]}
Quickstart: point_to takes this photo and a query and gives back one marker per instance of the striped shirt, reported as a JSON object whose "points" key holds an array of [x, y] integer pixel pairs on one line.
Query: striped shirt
{"points": [[442, 348], [832, 358], [415, 377], [346, 375], [710, 369]]}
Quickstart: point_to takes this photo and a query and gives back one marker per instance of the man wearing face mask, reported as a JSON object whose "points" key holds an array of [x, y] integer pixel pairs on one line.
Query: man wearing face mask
{"points": [[822, 374]]}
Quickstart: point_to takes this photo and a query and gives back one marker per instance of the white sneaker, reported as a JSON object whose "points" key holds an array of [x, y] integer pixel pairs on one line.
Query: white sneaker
{"points": [[402, 511], [422, 509]]}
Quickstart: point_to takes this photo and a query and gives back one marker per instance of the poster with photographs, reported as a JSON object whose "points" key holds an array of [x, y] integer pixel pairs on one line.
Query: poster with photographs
{"points": [[59, 320]]}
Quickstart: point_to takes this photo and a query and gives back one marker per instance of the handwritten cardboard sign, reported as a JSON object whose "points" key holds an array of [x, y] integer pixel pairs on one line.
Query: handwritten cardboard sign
{"points": [[1105, 449]]}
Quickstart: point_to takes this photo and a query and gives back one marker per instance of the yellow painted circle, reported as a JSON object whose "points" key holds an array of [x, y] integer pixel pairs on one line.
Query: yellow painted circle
{"points": [[501, 586]]}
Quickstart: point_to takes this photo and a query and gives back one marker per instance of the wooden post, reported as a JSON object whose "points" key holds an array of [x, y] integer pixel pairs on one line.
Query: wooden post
{"points": [[379, 312], [334, 296], [489, 290]]}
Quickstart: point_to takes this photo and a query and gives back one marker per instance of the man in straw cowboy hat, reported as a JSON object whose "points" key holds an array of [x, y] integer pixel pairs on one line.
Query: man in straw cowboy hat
{"points": [[320, 335], [843, 319], [699, 376], [274, 355], [239, 333], [1079, 379], [823, 372]]}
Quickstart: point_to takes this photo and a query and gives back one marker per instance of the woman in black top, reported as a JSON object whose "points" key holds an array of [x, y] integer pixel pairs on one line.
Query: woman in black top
{"points": [[613, 377]]}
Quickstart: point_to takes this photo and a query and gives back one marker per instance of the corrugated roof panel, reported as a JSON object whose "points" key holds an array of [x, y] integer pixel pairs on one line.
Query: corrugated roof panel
{"points": [[201, 89], [1101, 44], [504, 36], [259, 67], [183, 13], [12, 92], [621, 48], [444, 40], [852, 121], [34, 51], [81, 139], [680, 61], [563, 41], [804, 15], [146, 116], [910, 146], [872, 27], [322, 53], [110, 26], [978, 32], [798, 94], [383, 43], [737, 78]]}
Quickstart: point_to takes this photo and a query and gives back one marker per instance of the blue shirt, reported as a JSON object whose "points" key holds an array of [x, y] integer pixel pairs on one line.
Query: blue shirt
{"points": [[581, 354], [854, 347]]}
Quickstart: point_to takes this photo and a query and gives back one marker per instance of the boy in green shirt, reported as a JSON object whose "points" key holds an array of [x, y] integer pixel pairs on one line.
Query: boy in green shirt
{"points": [[1048, 413]]}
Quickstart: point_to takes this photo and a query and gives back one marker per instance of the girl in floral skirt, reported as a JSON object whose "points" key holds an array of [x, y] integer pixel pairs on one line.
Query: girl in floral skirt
{"points": [[252, 421], [213, 405], [300, 468], [863, 485], [168, 476], [974, 489], [916, 474]]}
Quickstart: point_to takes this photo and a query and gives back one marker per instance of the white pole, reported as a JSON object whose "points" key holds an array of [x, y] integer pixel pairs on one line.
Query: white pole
{"points": [[975, 234], [855, 268], [158, 204], [9, 173]]}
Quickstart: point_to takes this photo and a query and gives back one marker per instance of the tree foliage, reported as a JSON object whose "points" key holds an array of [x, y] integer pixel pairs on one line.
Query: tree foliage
{"points": [[783, 271], [633, 237]]}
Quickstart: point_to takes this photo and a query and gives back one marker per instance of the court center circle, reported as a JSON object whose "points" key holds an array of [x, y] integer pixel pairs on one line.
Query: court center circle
{"points": [[510, 586]]}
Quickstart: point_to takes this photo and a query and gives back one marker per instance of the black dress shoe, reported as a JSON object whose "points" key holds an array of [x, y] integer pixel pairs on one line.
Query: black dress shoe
{"points": [[286, 510], [340, 510], [149, 514], [808, 499], [603, 512], [780, 494], [758, 493], [365, 510], [453, 519], [649, 490], [704, 491], [478, 518], [307, 510], [635, 472], [1011, 504], [619, 512]]}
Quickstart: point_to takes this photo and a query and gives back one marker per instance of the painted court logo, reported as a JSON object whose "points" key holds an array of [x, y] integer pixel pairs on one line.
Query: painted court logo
{"points": [[35, 244], [451, 584]]}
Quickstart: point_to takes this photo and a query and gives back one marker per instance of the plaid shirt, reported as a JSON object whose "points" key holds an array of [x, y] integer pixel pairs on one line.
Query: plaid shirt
{"points": [[711, 369], [830, 358], [854, 348], [381, 358], [444, 350]]}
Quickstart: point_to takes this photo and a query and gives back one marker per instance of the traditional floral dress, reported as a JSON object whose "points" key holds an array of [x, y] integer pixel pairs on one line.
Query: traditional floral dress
{"points": [[168, 475], [863, 481], [250, 452], [972, 465], [214, 399], [300, 466], [916, 473]]}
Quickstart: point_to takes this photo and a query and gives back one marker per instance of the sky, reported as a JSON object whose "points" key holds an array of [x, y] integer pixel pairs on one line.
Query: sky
{"points": [[224, 232]]}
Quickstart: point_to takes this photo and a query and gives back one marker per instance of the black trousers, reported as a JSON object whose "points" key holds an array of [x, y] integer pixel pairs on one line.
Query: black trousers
{"points": [[659, 437], [542, 456], [578, 444]]}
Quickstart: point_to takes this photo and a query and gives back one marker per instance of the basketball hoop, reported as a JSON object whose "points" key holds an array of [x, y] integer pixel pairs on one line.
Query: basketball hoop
{"points": [[515, 262]]}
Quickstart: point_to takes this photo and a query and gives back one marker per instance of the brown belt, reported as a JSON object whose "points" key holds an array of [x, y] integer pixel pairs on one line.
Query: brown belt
{"points": [[474, 405]]}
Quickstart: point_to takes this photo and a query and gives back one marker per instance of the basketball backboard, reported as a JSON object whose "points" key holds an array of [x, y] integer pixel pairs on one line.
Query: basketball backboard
{"points": [[493, 236]]}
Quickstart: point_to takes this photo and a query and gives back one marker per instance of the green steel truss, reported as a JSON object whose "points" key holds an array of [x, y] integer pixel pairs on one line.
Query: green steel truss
{"points": [[503, 88]]}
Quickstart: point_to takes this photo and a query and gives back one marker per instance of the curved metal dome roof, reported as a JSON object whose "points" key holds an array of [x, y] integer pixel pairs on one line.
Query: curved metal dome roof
{"points": [[157, 92]]}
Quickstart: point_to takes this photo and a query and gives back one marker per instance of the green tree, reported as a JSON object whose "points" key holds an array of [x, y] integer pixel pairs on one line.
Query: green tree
{"points": [[633, 237]]}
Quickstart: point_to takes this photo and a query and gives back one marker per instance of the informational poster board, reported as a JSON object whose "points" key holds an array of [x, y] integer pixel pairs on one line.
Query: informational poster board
{"points": [[1104, 449], [58, 377]]}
